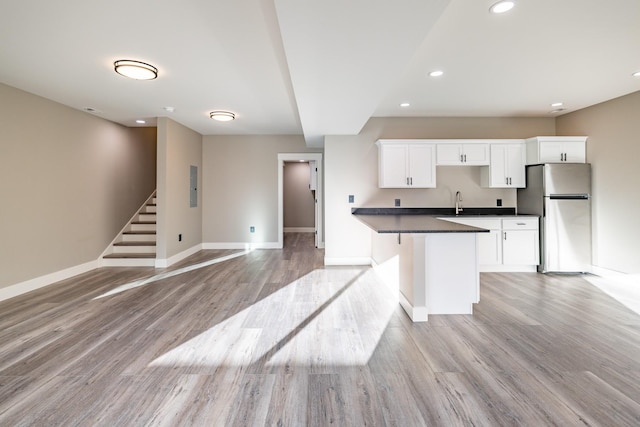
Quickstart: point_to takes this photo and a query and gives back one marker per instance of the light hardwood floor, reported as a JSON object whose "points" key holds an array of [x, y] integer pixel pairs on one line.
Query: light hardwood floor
{"points": [[272, 337]]}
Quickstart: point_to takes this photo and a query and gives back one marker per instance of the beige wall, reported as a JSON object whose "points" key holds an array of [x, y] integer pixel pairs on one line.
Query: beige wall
{"points": [[240, 182], [351, 167], [178, 149], [69, 182], [298, 200], [613, 149]]}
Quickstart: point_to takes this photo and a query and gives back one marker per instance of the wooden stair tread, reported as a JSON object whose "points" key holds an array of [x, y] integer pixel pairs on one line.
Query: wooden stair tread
{"points": [[143, 222], [133, 255], [142, 243], [141, 232]]}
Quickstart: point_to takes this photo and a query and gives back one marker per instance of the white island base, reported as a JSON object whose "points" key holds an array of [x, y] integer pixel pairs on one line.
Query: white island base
{"points": [[438, 274]]}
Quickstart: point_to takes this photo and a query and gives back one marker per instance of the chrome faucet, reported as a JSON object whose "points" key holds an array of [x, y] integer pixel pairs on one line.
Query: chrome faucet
{"points": [[458, 200]]}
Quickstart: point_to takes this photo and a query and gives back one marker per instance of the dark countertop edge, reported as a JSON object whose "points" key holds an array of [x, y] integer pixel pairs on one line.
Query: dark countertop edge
{"points": [[428, 224], [497, 211]]}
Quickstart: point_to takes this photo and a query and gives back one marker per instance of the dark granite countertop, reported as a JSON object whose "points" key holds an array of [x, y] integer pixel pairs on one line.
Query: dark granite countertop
{"points": [[424, 220], [433, 211], [412, 223]]}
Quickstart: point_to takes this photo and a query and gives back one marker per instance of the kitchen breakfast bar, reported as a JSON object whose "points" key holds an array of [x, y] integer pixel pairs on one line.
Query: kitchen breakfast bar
{"points": [[438, 259]]}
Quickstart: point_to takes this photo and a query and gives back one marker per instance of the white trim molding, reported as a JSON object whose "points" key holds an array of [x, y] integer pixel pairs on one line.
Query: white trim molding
{"points": [[347, 261], [46, 280], [168, 262], [416, 314], [241, 245]]}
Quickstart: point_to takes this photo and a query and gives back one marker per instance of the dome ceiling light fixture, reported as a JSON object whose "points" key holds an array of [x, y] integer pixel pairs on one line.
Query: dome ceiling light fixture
{"points": [[502, 7], [135, 69], [222, 116]]}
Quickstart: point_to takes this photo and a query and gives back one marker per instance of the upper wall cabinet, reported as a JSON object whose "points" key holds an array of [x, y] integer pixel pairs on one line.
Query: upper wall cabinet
{"points": [[462, 154], [506, 169], [406, 164], [556, 149]]}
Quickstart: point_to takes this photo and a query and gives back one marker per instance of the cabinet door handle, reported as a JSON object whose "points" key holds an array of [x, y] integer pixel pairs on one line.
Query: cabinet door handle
{"points": [[407, 180], [411, 180], [461, 158], [505, 235], [465, 158], [506, 180], [510, 181], [561, 157]]}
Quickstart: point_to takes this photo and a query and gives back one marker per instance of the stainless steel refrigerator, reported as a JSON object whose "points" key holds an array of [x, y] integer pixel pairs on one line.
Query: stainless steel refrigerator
{"points": [[561, 195]]}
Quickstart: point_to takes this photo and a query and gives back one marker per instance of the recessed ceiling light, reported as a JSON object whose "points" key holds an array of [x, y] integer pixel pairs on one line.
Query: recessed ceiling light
{"points": [[140, 122], [169, 109], [502, 6], [436, 73], [405, 104], [135, 69], [557, 110], [557, 104], [222, 116], [636, 74]]}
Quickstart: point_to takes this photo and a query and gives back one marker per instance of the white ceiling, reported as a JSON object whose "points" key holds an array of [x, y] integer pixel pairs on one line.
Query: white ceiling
{"points": [[320, 67]]}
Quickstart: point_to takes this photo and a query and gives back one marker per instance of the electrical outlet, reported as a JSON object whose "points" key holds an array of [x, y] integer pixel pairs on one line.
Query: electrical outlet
{"points": [[252, 229], [498, 202], [180, 237], [351, 198], [397, 202]]}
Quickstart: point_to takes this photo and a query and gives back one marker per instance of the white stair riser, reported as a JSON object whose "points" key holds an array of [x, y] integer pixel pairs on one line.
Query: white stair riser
{"points": [[129, 262], [147, 217], [150, 209], [143, 227], [138, 237], [134, 249]]}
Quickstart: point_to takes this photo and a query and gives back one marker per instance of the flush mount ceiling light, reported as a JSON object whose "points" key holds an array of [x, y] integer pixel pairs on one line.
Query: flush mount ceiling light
{"points": [[502, 6], [636, 74], [405, 104], [436, 73], [222, 116], [135, 69], [140, 122], [557, 104]]}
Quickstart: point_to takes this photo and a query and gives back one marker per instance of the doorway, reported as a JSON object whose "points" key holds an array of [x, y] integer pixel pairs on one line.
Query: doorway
{"points": [[315, 162]]}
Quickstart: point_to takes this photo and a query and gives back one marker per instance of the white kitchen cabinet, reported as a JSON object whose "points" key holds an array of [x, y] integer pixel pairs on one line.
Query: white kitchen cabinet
{"points": [[520, 241], [556, 149], [403, 164], [506, 168], [511, 244], [462, 154], [489, 244]]}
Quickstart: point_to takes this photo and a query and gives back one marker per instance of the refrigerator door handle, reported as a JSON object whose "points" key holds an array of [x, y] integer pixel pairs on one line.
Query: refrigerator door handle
{"points": [[568, 196]]}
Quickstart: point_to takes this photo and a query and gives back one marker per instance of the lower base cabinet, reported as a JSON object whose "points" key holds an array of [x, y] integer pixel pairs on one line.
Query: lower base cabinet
{"points": [[512, 243]]}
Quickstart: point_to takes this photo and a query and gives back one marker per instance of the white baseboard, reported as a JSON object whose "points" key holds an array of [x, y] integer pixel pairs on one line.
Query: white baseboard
{"points": [[168, 262], [347, 261], [605, 272], [299, 229], [416, 314], [48, 279], [241, 245], [507, 268]]}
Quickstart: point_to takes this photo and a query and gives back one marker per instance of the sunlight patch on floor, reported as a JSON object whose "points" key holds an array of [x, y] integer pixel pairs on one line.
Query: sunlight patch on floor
{"points": [[329, 317], [161, 276], [625, 288]]}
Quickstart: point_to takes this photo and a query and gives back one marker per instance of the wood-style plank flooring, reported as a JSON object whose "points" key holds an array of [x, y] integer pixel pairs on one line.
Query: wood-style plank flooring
{"points": [[272, 337]]}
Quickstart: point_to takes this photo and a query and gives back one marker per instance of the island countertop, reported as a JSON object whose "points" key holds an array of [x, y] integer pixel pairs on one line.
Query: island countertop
{"points": [[414, 224]]}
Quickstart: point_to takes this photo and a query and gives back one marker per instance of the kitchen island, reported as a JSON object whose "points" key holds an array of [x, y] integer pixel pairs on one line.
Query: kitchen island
{"points": [[438, 260]]}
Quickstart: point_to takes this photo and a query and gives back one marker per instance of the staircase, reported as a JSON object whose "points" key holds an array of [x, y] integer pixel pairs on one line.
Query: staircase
{"points": [[135, 246]]}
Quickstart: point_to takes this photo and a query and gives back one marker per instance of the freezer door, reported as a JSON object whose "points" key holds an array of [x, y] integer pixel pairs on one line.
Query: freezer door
{"points": [[567, 178], [567, 236]]}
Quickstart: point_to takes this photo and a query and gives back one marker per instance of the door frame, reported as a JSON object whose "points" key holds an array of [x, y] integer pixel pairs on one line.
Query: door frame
{"points": [[319, 211]]}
